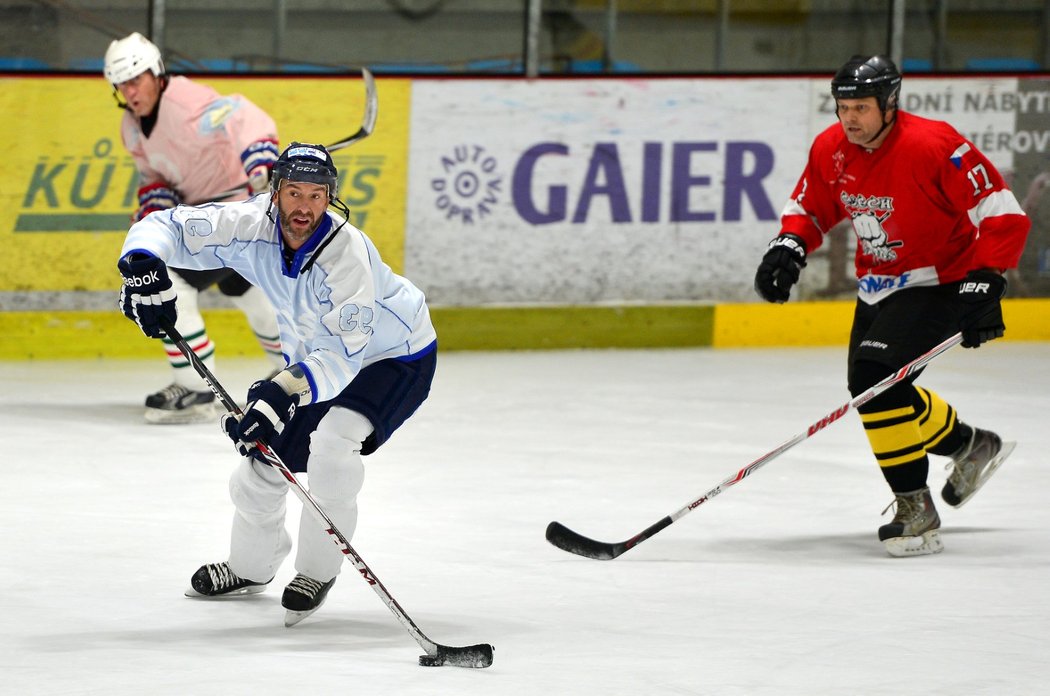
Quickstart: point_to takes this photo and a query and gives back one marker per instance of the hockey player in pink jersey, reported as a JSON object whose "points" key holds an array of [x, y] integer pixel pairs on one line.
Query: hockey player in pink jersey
{"points": [[936, 228], [192, 145]]}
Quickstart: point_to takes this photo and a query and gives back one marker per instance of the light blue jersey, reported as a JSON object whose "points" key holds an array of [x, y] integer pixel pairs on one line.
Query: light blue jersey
{"points": [[339, 306]]}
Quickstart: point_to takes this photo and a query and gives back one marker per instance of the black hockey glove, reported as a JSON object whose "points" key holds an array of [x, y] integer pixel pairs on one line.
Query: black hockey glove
{"points": [[982, 313], [780, 268], [269, 410], [146, 296]]}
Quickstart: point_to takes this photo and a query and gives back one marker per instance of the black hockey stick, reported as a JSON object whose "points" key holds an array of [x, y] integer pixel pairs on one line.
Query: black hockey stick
{"points": [[436, 654], [368, 124], [568, 540]]}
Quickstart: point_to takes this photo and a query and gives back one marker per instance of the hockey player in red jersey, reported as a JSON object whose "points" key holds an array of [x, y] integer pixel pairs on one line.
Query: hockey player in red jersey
{"points": [[936, 228]]}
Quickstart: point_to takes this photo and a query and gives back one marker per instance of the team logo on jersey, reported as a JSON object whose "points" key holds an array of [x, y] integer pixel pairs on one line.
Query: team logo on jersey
{"points": [[217, 113], [869, 215], [198, 227], [470, 184], [838, 161]]}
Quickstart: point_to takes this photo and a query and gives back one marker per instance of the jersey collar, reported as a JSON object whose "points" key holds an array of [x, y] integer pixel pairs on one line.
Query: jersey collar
{"points": [[299, 261]]}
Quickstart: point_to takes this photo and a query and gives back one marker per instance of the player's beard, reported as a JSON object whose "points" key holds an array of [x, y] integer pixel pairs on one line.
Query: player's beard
{"points": [[294, 233]]}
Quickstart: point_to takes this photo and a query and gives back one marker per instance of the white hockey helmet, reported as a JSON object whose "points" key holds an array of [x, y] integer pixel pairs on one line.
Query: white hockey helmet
{"points": [[131, 56]]}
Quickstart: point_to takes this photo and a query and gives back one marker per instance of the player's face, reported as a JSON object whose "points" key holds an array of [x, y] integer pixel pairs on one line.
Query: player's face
{"points": [[861, 119], [301, 206], [141, 93]]}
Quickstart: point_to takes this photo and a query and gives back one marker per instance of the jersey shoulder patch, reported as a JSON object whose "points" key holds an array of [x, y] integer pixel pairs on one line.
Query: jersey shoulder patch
{"points": [[956, 158]]}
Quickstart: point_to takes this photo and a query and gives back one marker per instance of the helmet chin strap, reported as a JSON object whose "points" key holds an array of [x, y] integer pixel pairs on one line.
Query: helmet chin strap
{"points": [[885, 125]]}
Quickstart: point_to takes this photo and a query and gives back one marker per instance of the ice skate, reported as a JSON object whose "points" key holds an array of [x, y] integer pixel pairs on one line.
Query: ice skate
{"points": [[176, 404], [217, 580], [302, 597], [913, 531], [973, 464]]}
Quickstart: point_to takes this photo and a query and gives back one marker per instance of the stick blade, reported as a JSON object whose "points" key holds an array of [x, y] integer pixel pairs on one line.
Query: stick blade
{"points": [[568, 540], [368, 122], [472, 656], [371, 101]]}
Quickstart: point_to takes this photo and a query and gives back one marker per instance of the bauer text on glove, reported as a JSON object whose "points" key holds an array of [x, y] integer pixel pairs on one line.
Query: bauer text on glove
{"points": [[780, 268], [981, 319]]}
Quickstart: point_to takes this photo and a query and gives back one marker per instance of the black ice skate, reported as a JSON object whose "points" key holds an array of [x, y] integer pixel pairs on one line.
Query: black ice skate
{"points": [[913, 531], [302, 597], [176, 404], [217, 580], [973, 464]]}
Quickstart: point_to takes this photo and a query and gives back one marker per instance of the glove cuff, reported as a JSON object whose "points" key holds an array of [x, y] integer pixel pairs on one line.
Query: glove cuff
{"points": [[136, 260], [983, 284], [792, 243]]}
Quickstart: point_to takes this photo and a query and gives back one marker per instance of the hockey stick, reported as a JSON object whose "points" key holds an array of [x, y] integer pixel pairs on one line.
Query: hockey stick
{"points": [[368, 124], [568, 540], [479, 655]]}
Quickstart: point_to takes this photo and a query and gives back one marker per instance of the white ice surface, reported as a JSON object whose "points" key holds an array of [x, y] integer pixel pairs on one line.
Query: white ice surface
{"points": [[778, 586]]}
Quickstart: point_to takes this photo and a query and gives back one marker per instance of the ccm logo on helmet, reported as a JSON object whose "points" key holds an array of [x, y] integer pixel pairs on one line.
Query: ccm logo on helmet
{"points": [[139, 281], [974, 287]]}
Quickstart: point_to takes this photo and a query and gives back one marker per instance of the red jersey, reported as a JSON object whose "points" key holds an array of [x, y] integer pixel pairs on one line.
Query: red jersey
{"points": [[927, 206]]}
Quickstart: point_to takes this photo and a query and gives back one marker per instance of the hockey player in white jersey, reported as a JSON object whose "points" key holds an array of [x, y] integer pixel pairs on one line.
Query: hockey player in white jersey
{"points": [[190, 145], [360, 347]]}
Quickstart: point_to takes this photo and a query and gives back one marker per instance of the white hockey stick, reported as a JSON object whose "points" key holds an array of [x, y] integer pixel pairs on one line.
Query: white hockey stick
{"points": [[478, 656], [568, 540], [368, 124]]}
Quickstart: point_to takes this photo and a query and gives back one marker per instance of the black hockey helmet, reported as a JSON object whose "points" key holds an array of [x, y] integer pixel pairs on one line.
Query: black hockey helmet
{"points": [[306, 162], [868, 76]]}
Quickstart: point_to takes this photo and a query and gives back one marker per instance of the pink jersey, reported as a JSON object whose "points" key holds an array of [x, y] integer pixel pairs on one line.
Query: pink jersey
{"points": [[203, 143], [927, 206]]}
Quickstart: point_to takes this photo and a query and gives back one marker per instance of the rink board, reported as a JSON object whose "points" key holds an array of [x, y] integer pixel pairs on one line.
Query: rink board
{"points": [[46, 335], [534, 214]]}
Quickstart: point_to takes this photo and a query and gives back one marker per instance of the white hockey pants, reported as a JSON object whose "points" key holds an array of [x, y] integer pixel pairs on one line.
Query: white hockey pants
{"points": [[335, 472]]}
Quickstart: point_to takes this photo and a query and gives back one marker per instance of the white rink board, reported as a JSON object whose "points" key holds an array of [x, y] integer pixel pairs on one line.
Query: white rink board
{"points": [[592, 191], [983, 109], [565, 190]]}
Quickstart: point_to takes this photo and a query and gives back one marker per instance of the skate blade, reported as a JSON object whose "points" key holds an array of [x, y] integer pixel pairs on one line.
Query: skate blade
{"points": [[202, 413], [993, 466], [293, 617], [902, 547], [250, 590]]}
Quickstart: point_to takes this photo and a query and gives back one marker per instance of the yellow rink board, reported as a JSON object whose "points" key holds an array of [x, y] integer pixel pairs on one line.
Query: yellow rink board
{"points": [[70, 188], [56, 335], [828, 323]]}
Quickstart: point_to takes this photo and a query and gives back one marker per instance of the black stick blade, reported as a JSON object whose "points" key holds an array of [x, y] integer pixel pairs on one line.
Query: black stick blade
{"points": [[473, 656], [568, 540]]}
